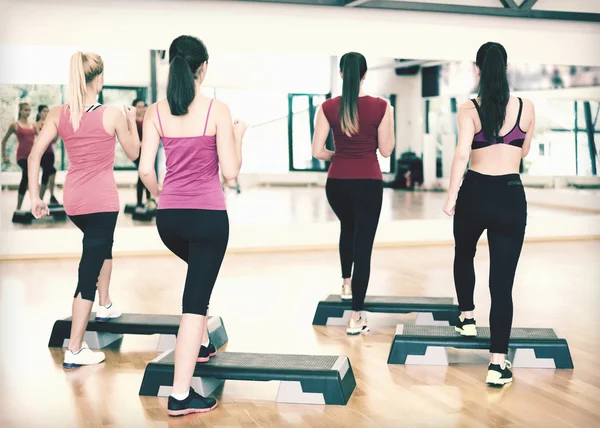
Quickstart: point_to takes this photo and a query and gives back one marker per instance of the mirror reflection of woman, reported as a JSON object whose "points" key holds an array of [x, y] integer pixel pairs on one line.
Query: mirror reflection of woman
{"points": [[140, 112], [47, 163], [91, 198], [25, 133]]}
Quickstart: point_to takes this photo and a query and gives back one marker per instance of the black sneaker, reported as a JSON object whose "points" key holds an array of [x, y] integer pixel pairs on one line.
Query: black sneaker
{"points": [[498, 376], [466, 327], [206, 352], [193, 403]]}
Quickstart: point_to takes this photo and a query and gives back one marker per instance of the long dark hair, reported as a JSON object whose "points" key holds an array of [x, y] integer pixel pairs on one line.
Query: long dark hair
{"points": [[41, 107], [186, 56], [353, 67], [493, 87]]}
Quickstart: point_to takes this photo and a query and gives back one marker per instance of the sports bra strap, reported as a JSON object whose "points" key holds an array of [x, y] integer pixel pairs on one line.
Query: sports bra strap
{"points": [[159, 121], [476, 106], [207, 116], [520, 111]]}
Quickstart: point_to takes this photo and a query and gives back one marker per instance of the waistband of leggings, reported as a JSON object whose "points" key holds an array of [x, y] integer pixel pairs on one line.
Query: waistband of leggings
{"points": [[507, 179]]}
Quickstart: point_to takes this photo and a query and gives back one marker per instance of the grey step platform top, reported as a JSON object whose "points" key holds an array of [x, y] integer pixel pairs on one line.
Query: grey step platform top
{"points": [[393, 300], [261, 362], [444, 333]]}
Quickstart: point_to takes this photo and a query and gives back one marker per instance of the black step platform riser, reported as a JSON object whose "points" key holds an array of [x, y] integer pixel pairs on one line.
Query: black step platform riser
{"points": [[327, 382], [545, 346], [441, 310]]}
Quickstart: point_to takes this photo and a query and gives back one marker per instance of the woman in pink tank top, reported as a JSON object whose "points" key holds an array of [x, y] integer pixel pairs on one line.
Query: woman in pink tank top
{"points": [[25, 133], [90, 194], [198, 137], [47, 162]]}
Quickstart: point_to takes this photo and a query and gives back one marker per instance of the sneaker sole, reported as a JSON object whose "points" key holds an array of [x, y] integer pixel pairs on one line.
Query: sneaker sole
{"points": [[76, 366], [205, 359], [357, 332], [346, 297], [176, 413], [498, 382], [105, 319], [466, 333]]}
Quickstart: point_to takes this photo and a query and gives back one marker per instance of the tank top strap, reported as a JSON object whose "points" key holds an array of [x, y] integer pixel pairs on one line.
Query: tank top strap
{"points": [[159, 121], [207, 116], [520, 111]]}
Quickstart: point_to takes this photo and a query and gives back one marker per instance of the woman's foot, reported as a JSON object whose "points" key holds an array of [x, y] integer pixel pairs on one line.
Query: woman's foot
{"points": [[206, 352], [357, 326], [499, 375], [346, 292], [466, 327], [193, 403], [105, 313], [84, 357]]}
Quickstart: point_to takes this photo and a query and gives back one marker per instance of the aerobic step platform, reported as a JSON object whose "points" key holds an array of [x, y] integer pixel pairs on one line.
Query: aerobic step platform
{"points": [[306, 379], [101, 334], [430, 310], [528, 347]]}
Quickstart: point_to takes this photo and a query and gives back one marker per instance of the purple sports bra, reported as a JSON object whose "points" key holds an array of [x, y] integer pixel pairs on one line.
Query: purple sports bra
{"points": [[515, 137]]}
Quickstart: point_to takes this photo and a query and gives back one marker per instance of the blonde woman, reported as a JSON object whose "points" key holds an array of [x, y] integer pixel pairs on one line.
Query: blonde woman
{"points": [[91, 200]]}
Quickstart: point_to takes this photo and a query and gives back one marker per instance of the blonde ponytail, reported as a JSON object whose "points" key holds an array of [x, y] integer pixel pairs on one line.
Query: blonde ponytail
{"points": [[83, 70]]}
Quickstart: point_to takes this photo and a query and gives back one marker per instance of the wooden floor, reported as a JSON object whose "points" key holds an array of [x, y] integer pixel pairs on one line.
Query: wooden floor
{"points": [[267, 302]]}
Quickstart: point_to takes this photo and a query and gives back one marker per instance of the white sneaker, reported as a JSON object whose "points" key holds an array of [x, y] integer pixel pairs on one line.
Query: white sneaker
{"points": [[105, 313], [346, 292], [359, 326], [84, 357]]}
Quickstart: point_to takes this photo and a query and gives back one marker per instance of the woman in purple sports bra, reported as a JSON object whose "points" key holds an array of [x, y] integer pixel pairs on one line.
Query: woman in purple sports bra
{"points": [[495, 132], [198, 137]]}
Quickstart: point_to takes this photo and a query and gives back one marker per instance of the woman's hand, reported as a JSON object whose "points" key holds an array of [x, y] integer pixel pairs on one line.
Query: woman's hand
{"points": [[39, 209], [449, 206]]}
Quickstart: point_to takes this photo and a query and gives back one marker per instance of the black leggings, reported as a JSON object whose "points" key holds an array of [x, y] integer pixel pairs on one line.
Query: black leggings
{"points": [[357, 204], [140, 186], [498, 204], [98, 231], [47, 164], [199, 238], [24, 179]]}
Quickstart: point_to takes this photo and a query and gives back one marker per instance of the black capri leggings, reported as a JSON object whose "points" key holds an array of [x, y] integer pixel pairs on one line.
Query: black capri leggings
{"points": [[498, 204], [24, 180], [98, 232], [357, 204], [47, 164], [199, 238]]}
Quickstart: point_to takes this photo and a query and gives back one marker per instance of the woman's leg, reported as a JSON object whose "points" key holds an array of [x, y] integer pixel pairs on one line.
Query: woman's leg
{"points": [[23, 184], [342, 207]]}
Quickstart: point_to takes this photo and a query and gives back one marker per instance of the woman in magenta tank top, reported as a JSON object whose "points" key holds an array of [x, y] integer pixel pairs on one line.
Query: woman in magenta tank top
{"points": [[361, 125], [198, 137], [140, 109], [91, 199], [47, 162], [25, 133]]}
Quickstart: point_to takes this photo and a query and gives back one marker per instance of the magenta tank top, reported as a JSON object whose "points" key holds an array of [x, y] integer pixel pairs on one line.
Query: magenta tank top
{"points": [[25, 139], [192, 178], [90, 185]]}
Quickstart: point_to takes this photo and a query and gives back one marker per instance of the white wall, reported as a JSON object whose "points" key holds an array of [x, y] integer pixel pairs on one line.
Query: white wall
{"points": [[251, 27], [29, 64]]}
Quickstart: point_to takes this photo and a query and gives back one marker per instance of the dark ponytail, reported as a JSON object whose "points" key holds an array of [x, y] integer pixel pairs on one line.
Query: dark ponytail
{"points": [[41, 108], [353, 67], [494, 92], [186, 56]]}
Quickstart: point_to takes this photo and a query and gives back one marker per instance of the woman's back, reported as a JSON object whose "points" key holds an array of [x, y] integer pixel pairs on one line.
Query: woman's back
{"points": [[356, 155], [504, 155], [90, 184], [190, 143]]}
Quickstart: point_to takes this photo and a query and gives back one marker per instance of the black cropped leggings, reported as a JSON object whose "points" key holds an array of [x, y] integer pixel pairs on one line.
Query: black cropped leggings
{"points": [[199, 238], [98, 232], [47, 164], [498, 204], [357, 204], [24, 178]]}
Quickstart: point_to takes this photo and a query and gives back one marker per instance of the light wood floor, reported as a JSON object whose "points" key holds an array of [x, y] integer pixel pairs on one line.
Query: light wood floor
{"points": [[267, 303]]}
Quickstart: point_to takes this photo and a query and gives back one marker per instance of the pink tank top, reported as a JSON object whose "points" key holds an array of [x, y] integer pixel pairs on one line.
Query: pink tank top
{"points": [[90, 185], [192, 179], [25, 139]]}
